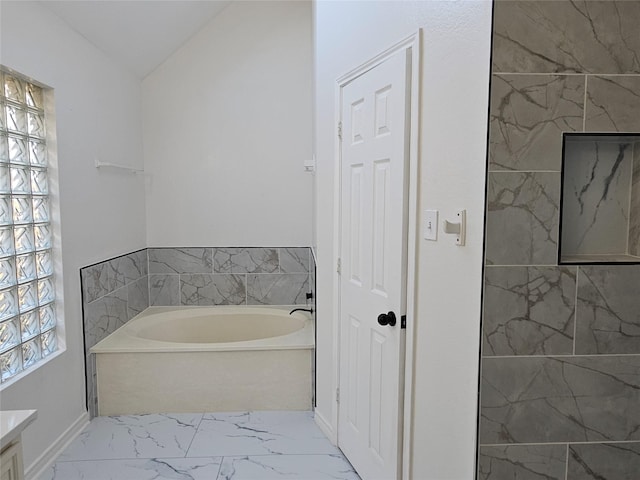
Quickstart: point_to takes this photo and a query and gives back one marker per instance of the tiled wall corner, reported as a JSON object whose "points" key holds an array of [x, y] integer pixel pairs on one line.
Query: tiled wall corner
{"points": [[561, 345], [113, 292]]}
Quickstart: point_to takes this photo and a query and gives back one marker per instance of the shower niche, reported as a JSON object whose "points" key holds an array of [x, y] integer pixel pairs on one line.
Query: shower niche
{"points": [[600, 199]]}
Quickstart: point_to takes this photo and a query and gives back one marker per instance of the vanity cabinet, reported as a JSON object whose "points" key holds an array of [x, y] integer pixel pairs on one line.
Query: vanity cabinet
{"points": [[12, 423]]}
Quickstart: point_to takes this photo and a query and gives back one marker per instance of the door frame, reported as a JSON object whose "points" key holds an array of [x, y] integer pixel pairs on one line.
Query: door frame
{"points": [[412, 43]]}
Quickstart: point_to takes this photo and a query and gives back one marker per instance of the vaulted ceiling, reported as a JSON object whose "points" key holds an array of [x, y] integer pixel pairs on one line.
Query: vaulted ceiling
{"points": [[139, 34]]}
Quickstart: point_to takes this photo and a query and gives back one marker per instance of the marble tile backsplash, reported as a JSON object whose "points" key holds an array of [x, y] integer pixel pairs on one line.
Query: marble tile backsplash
{"points": [[561, 345], [116, 290]]}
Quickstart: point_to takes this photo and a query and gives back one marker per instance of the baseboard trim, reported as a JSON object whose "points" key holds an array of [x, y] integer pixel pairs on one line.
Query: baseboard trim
{"points": [[48, 457], [326, 427]]}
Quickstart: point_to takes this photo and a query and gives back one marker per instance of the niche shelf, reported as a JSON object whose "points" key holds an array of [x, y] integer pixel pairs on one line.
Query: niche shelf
{"points": [[600, 199]]}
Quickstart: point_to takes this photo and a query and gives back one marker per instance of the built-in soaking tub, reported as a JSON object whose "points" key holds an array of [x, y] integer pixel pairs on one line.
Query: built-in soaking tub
{"points": [[206, 359]]}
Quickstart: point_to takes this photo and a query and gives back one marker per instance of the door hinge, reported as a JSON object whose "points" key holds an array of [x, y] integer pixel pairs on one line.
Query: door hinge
{"points": [[340, 130], [403, 321], [337, 395], [339, 266]]}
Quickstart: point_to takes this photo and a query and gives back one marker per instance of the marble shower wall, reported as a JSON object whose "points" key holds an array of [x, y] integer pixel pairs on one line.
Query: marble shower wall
{"points": [[113, 292], [561, 344], [116, 290], [634, 221]]}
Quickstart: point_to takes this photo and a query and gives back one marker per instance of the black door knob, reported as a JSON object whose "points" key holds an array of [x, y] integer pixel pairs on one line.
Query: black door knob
{"points": [[387, 319]]}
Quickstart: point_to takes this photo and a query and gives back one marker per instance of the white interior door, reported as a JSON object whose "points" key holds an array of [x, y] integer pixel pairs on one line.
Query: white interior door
{"points": [[374, 159]]}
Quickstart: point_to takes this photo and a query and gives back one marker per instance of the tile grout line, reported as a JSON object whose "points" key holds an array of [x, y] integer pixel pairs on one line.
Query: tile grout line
{"points": [[575, 312], [566, 464], [186, 452], [541, 444], [584, 104]]}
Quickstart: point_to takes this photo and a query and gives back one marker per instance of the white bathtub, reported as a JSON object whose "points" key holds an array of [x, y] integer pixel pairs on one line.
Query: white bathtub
{"points": [[206, 359]]}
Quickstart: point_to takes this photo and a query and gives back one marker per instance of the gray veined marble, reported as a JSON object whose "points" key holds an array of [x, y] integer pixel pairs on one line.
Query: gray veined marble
{"points": [[528, 115], [522, 218], [164, 290], [276, 467], [522, 462], [613, 103], [634, 207], [137, 296], [99, 280], [245, 260], [608, 314], [529, 311], [218, 289], [277, 289], [105, 316], [560, 399], [138, 469], [295, 260], [105, 277], [608, 461], [142, 436], [596, 192], [566, 36], [180, 260]]}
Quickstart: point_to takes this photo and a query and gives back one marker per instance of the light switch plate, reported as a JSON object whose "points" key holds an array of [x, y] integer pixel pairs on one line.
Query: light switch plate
{"points": [[431, 225]]}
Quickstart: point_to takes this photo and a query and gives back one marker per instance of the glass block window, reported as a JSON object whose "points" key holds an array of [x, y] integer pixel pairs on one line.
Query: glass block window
{"points": [[27, 295]]}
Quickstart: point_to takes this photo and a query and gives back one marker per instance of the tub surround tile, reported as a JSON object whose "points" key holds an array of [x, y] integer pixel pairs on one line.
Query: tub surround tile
{"points": [[142, 469], [259, 433], [100, 280], [137, 297], [141, 436], [164, 290], [596, 193], [608, 310], [245, 260], [132, 266], [103, 278], [295, 260], [277, 289], [219, 289], [576, 36], [560, 399], [522, 462], [105, 316], [612, 461], [522, 218], [634, 220], [180, 260], [529, 310], [273, 467], [528, 115], [613, 103]]}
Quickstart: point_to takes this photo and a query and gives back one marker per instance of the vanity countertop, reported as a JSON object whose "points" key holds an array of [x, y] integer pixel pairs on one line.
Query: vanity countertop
{"points": [[12, 423]]}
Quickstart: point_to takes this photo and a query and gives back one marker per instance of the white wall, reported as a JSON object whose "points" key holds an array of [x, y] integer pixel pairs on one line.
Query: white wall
{"points": [[227, 127], [453, 130], [102, 213]]}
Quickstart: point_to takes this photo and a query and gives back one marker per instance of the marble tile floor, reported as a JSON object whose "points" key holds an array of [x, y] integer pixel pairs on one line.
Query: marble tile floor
{"points": [[210, 446]]}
